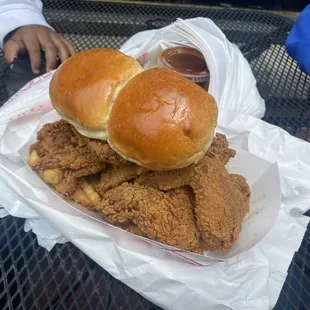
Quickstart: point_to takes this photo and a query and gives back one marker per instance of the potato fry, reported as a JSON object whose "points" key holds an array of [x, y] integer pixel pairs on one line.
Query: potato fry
{"points": [[92, 195], [33, 158], [80, 197], [135, 230], [52, 176]]}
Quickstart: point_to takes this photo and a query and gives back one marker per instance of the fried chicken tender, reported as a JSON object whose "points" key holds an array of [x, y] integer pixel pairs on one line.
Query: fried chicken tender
{"points": [[165, 180], [221, 199], [103, 151], [56, 136], [184, 199], [71, 187], [63, 181], [114, 176], [181, 208], [60, 146], [160, 216], [220, 205], [68, 184], [243, 185], [220, 149]]}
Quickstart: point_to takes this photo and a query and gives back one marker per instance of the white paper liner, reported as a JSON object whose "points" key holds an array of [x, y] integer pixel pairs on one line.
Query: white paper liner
{"points": [[262, 177]]}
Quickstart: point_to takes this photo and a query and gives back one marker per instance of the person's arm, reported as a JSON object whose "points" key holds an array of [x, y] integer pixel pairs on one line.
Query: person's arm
{"points": [[24, 28], [18, 13], [298, 41]]}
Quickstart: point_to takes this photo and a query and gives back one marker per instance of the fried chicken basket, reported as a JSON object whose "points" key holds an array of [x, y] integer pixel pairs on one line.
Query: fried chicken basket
{"points": [[262, 177]]}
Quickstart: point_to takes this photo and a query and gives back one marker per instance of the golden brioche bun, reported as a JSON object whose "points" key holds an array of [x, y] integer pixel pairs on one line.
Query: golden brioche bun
{"points": [[83, 88], [162, 121]]}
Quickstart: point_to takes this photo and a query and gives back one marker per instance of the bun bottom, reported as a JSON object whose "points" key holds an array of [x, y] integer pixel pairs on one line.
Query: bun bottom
{"points": [[99, 135], [103, 135], [179, 165]]}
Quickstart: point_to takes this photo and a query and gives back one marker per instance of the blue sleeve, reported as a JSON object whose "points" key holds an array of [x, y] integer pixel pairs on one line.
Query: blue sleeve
{"points": [[298, 41]]}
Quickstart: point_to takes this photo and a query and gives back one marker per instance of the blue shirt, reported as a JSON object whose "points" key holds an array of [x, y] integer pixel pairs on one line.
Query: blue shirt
{"points": [[298, 41]]}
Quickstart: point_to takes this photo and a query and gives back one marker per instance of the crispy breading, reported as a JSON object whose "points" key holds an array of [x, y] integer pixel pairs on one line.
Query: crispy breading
{"points": [[158, 215]]}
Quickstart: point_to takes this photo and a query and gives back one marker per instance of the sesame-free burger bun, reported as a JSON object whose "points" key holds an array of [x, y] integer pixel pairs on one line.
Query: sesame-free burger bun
{"points": [[85, 85], [162, 121]]}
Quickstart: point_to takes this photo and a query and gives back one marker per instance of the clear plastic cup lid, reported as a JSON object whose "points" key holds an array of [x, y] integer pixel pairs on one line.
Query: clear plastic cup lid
{"points": [[187, 61]]}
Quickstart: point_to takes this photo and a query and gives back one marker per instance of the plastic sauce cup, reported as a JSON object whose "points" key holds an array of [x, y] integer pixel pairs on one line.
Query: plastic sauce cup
{"points": [[188, 62]]}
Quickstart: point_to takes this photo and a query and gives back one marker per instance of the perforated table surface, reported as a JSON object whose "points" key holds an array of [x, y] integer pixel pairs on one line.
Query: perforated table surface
{"points": [[65, 278]]}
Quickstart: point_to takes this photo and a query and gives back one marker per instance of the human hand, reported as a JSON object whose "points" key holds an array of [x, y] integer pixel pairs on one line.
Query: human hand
{"points": [[32, 38]]}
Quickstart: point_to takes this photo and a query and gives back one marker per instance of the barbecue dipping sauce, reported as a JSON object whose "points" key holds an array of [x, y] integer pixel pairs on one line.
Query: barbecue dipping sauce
{"points": [[188, 62]]}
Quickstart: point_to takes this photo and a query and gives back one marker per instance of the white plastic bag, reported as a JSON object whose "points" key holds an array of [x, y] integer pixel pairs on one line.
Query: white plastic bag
{"points": [[232, 82], [252, 280], [25, 100]]}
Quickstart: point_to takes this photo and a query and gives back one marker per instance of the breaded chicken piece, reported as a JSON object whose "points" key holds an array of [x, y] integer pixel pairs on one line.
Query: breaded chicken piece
{"points": [[184, 199], [57, 136], [174, 207], [165, 180], [221, 204], [114, 176], [220, 149], [221, 200], [103, 152], [160, 216], [60, 146], [68, 185]]}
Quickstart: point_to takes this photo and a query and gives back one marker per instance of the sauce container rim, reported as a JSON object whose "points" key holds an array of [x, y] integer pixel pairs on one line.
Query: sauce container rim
{"points": [[166, 64]]}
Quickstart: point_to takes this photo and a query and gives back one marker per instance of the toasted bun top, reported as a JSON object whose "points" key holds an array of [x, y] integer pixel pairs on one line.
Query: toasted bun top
{"points": [[162, 121], [85, 85]]}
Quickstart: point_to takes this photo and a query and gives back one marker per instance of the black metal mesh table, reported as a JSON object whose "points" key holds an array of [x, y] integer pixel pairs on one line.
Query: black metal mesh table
{"points": [[65, 278]]}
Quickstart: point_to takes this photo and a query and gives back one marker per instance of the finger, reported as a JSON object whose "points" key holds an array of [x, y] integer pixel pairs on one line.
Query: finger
{"points": [[11, 50], [22, 48], [50, 50], [32, 45], [62, 48], [70, 47]]}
